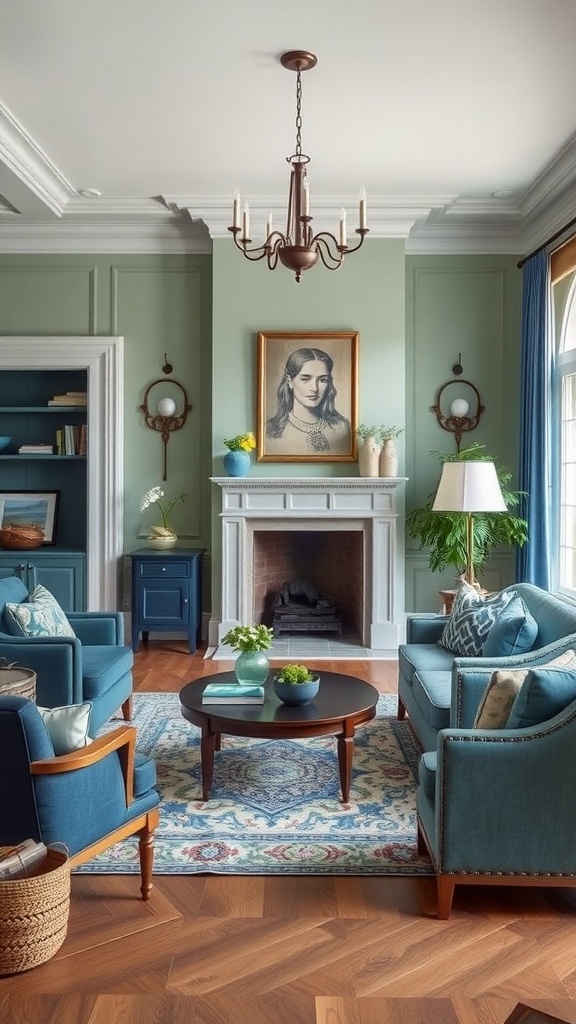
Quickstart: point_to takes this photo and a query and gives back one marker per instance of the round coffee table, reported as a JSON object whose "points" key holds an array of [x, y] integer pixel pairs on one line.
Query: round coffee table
{"points": [[342, 703]]}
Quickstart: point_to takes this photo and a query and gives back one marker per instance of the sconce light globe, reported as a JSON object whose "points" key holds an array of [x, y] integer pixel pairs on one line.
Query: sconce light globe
{"points": [[166, 407], [459, 407]]}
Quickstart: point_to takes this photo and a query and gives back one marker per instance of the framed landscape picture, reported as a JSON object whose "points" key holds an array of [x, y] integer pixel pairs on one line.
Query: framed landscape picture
{"points": [[307, 396], [30, 508]]}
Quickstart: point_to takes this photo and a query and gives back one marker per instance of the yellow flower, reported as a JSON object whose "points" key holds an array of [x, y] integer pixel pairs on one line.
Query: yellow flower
{"points": [[242, 442]]}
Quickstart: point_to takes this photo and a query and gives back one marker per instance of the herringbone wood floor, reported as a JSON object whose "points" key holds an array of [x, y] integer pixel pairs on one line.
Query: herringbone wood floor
{"points": [[217, 950]]}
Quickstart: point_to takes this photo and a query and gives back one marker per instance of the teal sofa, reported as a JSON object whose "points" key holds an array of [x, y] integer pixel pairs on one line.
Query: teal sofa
{"points": [[93, 666], [440, 690]]}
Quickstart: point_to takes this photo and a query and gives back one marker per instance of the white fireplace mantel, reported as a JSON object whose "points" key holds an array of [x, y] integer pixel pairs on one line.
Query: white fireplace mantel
{"points": [[322, 503]]}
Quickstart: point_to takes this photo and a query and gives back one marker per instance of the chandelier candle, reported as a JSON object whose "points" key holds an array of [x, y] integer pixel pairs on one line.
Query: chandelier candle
{"points": [[298, 248]]}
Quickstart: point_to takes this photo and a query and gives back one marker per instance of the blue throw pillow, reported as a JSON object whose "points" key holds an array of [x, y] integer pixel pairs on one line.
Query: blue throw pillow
{"points": [[40, 615], [471, 620], [514, 631], [544, 693]]}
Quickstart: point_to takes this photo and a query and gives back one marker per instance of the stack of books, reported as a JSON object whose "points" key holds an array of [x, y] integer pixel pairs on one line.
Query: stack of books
{"points": [[36, 449], [70, 398], [71, 439], [232, 693]]}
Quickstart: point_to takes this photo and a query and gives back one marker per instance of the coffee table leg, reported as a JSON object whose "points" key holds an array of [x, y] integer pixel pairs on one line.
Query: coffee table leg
{"points": [[207, 748], [345, 755]]}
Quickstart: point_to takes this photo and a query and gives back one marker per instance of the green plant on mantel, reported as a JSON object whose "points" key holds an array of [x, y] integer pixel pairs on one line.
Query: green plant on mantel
{"points": [[390, 433], [444, 533], [380, 434]]}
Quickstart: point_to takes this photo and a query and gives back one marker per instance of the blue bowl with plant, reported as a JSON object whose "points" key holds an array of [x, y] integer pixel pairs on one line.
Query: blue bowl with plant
{"points": [[295, 684]]}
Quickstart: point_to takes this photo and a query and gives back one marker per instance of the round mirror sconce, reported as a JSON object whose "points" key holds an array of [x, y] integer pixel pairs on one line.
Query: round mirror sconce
{"points": [[458, 405], [165, 413]]}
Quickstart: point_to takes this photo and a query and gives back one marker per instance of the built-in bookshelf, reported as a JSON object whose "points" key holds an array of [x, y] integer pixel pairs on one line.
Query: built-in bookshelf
{"points": [[44, 412]]}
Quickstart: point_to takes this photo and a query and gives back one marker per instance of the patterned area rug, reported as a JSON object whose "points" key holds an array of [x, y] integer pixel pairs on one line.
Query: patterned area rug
{"points": [[275, 806]]}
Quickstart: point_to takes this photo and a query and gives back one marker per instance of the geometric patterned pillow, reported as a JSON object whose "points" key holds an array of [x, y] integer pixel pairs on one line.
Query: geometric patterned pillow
{"points": [[40, 615], [471, 620]]}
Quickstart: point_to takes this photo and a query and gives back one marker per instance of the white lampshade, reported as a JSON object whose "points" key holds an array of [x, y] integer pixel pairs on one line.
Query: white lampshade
{"points": [[459, 407], [166, 407], [469, 487]]}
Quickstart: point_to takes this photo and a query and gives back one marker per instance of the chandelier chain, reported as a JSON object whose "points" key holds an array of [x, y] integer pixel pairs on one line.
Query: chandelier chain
{"points": [[298, 115]]}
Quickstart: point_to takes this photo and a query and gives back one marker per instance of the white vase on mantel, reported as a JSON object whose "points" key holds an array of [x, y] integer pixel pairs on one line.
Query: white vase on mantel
{"points": [[389, 458], [369, 456]]}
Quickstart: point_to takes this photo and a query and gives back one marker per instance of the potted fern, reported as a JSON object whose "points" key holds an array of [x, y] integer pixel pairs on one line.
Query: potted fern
{"points": [[444, 533]]}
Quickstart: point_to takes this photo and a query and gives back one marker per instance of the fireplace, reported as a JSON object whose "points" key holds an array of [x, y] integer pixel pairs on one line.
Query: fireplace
{"points": [[269, 528], [332, 561]]}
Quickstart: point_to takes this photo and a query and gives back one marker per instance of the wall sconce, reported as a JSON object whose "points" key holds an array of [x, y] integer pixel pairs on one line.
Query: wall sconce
{"points": [[458, 405], [167, 419]]}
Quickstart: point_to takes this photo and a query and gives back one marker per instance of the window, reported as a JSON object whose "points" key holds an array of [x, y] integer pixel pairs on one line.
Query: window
{"points": [[564, 299]]}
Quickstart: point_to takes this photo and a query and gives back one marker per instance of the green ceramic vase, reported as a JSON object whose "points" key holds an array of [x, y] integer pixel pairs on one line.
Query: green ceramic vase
{"points": [[252, 667]]}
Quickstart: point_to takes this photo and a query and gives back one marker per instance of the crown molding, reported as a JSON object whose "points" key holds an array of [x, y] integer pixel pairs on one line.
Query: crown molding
{"points": [[28, 164], [388, 217], [42, 213], [103, 237]]}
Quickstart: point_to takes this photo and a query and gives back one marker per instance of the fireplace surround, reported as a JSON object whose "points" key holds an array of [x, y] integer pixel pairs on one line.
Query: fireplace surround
{"points": [[367, 505]]}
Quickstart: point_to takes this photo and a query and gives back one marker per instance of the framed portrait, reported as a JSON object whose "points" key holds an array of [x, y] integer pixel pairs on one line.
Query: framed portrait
{"points": [[30, 508], [307, 396]]}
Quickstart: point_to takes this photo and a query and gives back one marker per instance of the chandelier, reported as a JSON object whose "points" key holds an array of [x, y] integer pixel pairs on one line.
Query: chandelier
{"points": [[298, 248]]}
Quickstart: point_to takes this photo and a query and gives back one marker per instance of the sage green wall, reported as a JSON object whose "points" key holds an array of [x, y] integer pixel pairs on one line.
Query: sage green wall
{"points": [[365, 295], [413, 315], [159, 304], [469, 305]]}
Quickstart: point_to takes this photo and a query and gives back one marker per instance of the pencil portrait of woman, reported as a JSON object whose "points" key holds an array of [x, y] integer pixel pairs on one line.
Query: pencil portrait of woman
{"points": [[305, 416]]}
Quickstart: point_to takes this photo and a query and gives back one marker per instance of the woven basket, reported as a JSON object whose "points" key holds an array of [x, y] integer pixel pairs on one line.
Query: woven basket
{"points": [[34, 915], [21, 537], [18, 682]]}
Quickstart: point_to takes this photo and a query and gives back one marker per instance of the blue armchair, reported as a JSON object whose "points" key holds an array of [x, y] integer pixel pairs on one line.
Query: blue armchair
{"points": [[94, 666], [88, 799], [496, 806]]}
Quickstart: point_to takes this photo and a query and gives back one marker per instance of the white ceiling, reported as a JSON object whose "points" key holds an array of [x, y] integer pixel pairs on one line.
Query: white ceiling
{"points": [[166, 107]]}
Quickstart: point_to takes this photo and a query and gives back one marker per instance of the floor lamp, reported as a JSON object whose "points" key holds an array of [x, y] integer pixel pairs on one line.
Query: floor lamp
{"points": [[469, 487]]}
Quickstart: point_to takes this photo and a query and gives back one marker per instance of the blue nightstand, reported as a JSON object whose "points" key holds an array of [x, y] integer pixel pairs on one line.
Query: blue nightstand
{"points": [[166, 593]]}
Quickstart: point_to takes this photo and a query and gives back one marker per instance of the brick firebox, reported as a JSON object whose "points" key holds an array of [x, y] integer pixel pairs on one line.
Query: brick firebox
{"points": [[333, 562]]}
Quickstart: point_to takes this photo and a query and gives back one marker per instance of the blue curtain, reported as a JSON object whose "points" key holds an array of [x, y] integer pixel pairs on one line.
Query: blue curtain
{"points": [[533, 562]]}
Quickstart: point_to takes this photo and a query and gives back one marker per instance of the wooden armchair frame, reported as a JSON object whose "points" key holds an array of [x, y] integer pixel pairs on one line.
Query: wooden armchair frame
{"points": [[122, 739]]}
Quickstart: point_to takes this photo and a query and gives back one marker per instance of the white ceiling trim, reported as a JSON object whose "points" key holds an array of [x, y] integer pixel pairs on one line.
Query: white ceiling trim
{"points": [[388, 217], [442, 224], [21, 156]]}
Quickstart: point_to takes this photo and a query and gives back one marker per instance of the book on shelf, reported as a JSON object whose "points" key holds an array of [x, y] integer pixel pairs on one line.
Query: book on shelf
{"points": [[232, 693], [70, 398], [76, 402], [36, 449]]}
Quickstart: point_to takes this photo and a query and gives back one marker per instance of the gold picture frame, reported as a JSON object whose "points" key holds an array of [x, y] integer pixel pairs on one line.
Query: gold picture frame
{"points": [[324, 393]]}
